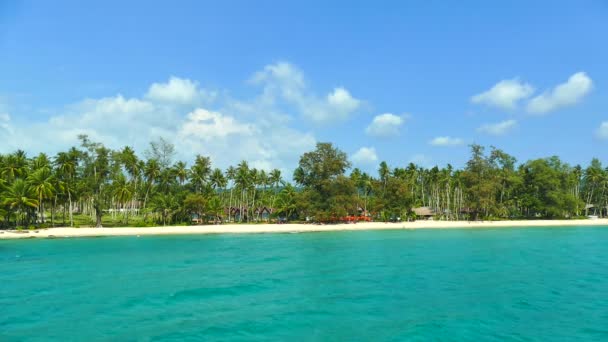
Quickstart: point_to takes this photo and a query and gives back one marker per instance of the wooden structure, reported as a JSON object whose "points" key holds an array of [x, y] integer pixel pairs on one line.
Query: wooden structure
{"points": [[424, 212]]}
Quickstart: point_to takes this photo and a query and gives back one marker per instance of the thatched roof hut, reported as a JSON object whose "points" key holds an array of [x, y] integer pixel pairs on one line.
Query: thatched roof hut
{"points": [[424, 212]]}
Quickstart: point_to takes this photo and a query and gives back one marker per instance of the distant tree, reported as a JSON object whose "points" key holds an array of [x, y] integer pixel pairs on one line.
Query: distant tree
{"points": [[162, 151], [96, 175], [323, 164], [321, 172]]}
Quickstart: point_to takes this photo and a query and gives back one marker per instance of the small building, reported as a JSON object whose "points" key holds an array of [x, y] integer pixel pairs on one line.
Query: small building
{"points": [[264, 213], [424, 213]]}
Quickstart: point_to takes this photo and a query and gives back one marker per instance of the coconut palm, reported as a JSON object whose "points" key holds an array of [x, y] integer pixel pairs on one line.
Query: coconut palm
{"points": [[15, 165], [151, 173], [123, 191], [41, 183], [180, 170], [165, 205], [41, 161], [65, 169], [230, 176], [217, 179], [215, 208], [286, 202], [19, 197], [242, 181], [199, 173]]}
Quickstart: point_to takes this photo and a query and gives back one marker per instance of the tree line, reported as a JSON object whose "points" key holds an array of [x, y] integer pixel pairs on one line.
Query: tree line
{"points": [[94, 185]]}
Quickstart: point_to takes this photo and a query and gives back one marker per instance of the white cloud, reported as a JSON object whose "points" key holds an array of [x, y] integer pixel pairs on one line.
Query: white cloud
{"points": [[282, 75], [602, 131], [256, 130], [385, 125], [504, 94], [446, 141], [283, 82], [178, 90], [341, 101], [207, 125], [500, 128], [562, 95], [365, 156]]}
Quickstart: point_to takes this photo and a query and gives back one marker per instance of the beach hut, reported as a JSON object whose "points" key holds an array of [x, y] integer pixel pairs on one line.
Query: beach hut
{"points": [[424, 213], [263, 213]]}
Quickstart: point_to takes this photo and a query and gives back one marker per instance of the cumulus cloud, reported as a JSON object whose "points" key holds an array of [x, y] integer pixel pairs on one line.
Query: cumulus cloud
{"points": [[207, 125], [283, 82], [341, 100], [446, 141], [180, 91], [385, 125], [505, 94], [562, 95], [264, 143], [258, 130], [602, 131], [500, 128], [365, 156]]}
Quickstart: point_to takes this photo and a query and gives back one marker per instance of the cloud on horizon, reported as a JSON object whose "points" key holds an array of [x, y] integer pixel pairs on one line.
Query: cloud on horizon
{"points": [[179, 110]]}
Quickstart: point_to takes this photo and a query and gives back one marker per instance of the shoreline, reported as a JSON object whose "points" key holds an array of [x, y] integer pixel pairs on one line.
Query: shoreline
{"points": [[65, 232]]}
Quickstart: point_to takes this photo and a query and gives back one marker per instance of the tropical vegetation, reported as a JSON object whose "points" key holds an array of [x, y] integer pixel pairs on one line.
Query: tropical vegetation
{"points": [[92, 185]]}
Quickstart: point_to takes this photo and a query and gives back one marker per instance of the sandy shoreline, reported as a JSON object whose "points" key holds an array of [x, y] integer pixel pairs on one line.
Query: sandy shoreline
{"points": [[286, 228]]}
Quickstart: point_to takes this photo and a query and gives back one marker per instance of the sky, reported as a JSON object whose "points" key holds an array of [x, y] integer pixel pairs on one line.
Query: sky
{"points": [[264, 81]]}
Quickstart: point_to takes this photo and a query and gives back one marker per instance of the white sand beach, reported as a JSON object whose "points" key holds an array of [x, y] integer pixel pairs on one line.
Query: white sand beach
{"points": [[285, 228]]}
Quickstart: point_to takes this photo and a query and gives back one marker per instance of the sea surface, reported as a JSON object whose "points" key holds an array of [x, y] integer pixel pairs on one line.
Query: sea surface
{"points": [[520, 284]]}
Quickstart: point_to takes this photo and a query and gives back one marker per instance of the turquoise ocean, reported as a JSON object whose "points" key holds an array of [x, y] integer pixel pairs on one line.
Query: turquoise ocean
{"points": [[521, 284]]}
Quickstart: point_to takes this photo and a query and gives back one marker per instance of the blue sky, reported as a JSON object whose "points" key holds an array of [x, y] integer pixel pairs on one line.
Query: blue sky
{"points": [[263, 81]]}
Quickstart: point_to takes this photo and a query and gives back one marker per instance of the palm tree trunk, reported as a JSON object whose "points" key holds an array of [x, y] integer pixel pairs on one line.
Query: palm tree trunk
{"points": [[71, 216], [41, 210]]}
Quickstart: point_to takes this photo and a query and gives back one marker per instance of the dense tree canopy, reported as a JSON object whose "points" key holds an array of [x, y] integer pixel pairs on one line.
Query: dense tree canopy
{"points": [[94, 185]]}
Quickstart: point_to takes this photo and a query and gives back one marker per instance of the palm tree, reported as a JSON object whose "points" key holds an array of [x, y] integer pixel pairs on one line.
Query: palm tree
{"points": [[180, 171], [286, 202], [594, 175], [19, 197], [124, 193], [365, 183], [165, 205], [214, 207], [275, 179], [217, 179], [14, 166], [151, 173], [65, 168], [230, 177], [199, 173], [41, 182], [41, 161], [242, 181], [384, 172], [133, 166]]}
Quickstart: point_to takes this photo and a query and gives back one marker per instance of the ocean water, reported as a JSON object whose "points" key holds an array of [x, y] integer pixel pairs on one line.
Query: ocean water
{"points": [[532, 284]]}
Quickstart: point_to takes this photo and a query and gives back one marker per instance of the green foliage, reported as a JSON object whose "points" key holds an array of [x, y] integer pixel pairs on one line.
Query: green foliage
{"points": [[323, 164], [92, 185]]}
